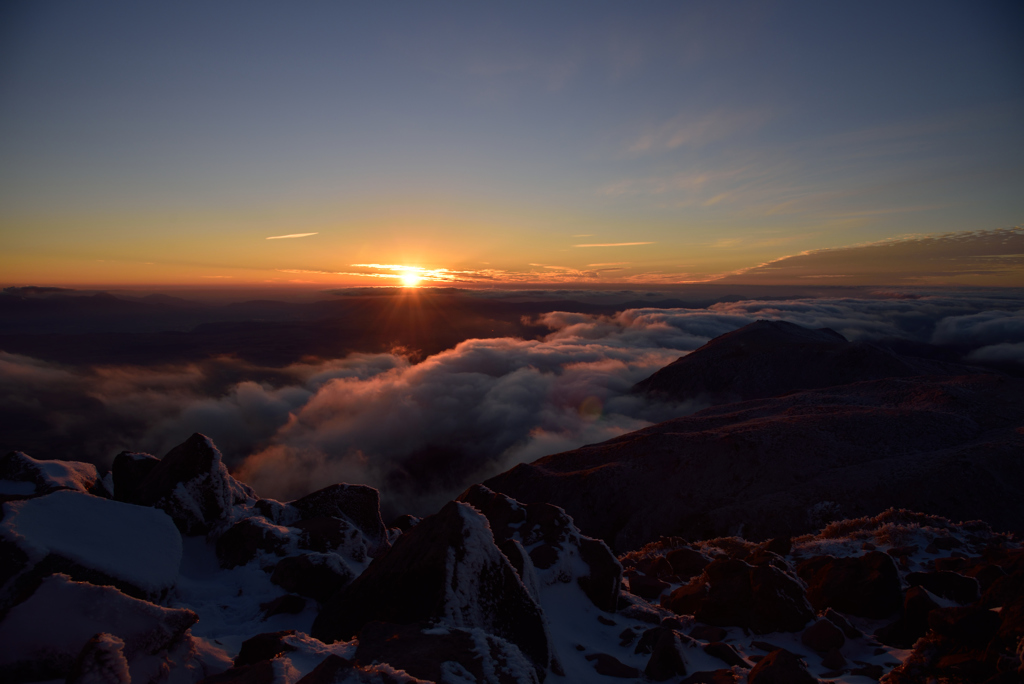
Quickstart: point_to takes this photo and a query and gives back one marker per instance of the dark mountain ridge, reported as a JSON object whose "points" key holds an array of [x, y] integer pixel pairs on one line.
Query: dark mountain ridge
{"points": [[770, 358]]}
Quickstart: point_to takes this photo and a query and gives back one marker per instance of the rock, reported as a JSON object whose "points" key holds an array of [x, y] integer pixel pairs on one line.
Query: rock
{"points": [[837, 619], [731, 592], [865, 586], [667, 659], [447, 569], [327, 534], [101, 661], [712, 677], [357, 504], [950, 585], [243, 541], [192, 485], [405, 522], [128, 471], [968, 627], [37, 649], [263, 647], [316, 575], [262, 672], [25, 476], [708, 633], [687, 563], [912, 624], [337, 670], [288, 604], [726, 653], [443, 653], [833, 660], [555, 541], [780, 667], [649, 588], [91, 539], [780, 545], [610, 666], [870, 671], [823, 636]]}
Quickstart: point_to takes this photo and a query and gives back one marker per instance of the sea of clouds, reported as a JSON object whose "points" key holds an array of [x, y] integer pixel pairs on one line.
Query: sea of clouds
{"points": [[422, 432]]}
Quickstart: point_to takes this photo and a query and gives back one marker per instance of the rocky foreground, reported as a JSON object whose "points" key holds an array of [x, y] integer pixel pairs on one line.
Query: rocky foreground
{"points": [[169, 570]]}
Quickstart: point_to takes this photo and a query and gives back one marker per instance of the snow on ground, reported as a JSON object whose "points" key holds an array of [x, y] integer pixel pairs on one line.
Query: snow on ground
{"points": [[137, 544]]}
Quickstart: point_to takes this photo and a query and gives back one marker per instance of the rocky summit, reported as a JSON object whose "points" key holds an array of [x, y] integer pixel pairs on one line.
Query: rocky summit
{"points": [[833, 532]]}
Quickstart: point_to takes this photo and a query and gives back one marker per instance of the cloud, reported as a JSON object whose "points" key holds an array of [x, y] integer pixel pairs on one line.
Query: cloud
{"points": [[985, 257], [697, 131], [293, 235], [615, 244], [422, 432]]}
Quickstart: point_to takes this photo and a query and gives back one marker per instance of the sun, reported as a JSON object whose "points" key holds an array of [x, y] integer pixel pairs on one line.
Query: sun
{"points": [[410, 279]]}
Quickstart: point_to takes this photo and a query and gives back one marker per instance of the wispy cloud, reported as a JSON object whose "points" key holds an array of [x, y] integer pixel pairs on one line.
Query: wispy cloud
{"points": [[687, 129], [614, 244], [293, 235]]}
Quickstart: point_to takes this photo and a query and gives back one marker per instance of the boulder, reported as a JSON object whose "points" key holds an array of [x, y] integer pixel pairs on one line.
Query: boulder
{"points": [[780, 667], [444, 654], [649, 588], [732, 592], [865, 586], [244, 540], [610, 666], [137, 550], [823, 636], [101, 661], [445, 569], [687, 563], [263, 647], [950, 585], [337, 670], [37, 649], [22, 476], [128, 472], [711, 677], [357, 504], [727, 654], [192, 485], [667, 659], [289, 604], [912, 624], [316, 575]]}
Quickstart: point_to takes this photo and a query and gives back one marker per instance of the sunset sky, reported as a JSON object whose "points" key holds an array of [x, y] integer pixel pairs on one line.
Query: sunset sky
{"points": [[325, 143]]}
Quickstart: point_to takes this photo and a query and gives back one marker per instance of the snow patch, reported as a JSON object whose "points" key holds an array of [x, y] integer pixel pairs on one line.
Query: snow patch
{"points": [[137, 544]]}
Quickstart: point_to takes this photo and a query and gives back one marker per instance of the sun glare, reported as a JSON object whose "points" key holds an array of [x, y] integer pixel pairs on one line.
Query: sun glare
{"points": [[410, 280]]}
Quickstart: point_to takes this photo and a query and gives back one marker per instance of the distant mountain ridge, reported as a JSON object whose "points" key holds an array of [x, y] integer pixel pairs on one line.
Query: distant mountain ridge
{"points": [[770, 358]]}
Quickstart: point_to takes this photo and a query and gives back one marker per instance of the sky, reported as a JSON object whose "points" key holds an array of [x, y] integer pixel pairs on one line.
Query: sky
{"points": [[328, 144]]}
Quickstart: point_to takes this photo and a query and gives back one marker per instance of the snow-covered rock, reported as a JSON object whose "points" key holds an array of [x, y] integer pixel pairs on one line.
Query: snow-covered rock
{"points": [[357, 504], [193, 486], [552, 544], [135, 548], [448, 570], [43, 636], [22, 475]]}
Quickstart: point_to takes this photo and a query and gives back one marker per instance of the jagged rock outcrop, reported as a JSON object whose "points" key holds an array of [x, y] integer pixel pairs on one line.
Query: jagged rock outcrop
{"points": [[192, 485], [446, 569], [553, 544]]}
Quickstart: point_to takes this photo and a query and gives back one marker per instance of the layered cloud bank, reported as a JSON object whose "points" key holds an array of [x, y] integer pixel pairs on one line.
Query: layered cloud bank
{"points": [[423, 431]]}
